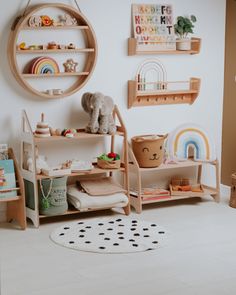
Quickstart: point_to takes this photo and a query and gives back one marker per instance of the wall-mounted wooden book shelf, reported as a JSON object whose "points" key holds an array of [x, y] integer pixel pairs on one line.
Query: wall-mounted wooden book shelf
{"points": [[166, 93], [133, 48]]}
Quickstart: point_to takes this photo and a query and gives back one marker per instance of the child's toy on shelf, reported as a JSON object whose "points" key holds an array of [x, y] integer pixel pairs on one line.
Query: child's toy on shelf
{"points": [[56, 171], [46, 21], [41, 162], [35, 21], [182, 186], [42, 128], [52, 45], [67, 20], [149, 150], [3, 151], [190, 141], [42, 65], [100, 108], [80, 166], [70, 66], [69, 133], [54, 91], [109, 161], [71, 46]]}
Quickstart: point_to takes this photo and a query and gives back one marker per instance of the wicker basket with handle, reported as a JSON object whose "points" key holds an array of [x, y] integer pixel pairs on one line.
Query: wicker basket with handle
{"points": [[232, 201]]}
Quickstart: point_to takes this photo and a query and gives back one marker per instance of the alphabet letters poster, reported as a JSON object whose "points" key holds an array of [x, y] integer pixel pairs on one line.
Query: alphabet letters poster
{"points": [[153, 26]]}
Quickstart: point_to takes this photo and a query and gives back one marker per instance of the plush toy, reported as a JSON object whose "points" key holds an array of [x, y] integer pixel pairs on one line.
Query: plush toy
{"points": [[100, 108]]}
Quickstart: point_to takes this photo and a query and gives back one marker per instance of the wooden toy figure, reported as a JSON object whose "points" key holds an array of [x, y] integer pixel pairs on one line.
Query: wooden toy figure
{"points": [[42, 128], [70, 66]]}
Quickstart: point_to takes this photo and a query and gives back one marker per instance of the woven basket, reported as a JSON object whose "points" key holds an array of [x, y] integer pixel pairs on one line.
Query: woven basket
{"points": [[232, 202], [108, 164], [148, 150]]}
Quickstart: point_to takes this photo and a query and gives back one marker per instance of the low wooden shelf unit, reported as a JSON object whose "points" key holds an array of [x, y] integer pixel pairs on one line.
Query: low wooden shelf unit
{"points": [[27, 137], [137, 199]]}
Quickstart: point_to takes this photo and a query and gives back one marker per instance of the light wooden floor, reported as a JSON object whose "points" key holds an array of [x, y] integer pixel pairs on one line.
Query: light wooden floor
{"points": [[200, 257]]}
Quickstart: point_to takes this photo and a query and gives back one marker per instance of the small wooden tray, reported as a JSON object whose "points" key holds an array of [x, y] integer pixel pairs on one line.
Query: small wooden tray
{"points": [[56, 172], [187, 193]]}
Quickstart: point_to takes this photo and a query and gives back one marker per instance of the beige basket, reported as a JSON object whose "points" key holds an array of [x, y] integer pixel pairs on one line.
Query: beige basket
{"points": [[232, 201], [149, 150], [108, 164]]}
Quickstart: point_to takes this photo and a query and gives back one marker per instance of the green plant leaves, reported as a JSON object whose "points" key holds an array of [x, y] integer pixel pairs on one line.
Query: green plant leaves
{"points": [[184, 25]]}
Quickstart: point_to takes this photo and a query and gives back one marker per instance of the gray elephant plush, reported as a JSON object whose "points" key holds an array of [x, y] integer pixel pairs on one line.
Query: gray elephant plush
{"points": [[100, 108]]}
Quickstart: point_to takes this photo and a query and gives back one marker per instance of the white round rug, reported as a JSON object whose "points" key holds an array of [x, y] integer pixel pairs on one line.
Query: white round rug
{"points": [[110, 235]]}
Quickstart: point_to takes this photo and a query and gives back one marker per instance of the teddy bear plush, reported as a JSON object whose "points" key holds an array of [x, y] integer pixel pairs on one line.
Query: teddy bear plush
{"points": [[100, 108]]}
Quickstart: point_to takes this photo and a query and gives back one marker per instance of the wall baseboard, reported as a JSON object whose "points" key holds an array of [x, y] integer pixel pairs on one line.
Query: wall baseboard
{"points": [[225, 190]]}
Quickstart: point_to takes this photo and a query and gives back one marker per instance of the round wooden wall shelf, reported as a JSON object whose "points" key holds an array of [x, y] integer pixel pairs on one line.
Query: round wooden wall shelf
{"points": [[22, 58]]}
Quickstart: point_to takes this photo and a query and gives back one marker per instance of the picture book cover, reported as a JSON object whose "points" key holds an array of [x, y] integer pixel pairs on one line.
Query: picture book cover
{"points": [[153, 26], [7, 178]]}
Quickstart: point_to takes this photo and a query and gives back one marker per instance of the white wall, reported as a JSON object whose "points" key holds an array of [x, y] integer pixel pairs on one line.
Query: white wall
{"points": [[111, 20]]}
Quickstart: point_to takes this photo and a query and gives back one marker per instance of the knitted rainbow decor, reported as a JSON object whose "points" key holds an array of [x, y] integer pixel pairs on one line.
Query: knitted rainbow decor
{"points": [[191, 135]]}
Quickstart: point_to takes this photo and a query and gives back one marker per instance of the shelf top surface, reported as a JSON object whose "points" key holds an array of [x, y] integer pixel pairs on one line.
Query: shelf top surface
{"points": [[26, 51], [166, 92], [62, 74], [184, 164], [9, 199], [56, 27], [79, 135], [95, 170]]}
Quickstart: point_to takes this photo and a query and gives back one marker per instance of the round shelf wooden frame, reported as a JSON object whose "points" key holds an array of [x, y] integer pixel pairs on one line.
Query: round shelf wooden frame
{"points": [[90, 50]]}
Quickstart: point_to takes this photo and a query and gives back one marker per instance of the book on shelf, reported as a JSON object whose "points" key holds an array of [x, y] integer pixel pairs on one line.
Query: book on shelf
{"points": [[153, 27], [152, 193], [155, 198], [7, 179]]}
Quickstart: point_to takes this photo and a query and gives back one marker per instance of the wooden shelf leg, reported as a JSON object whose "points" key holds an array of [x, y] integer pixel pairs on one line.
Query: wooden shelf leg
{"points": [[217, 196], [127, 209], [16, 211], [136, 204]]}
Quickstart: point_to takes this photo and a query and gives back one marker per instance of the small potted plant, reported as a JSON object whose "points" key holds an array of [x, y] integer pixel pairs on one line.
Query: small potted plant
{"points": [[183, 27]]}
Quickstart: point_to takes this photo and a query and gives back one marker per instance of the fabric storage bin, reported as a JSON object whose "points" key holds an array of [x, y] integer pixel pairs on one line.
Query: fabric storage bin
{"points": [[148, 150], [52, 196]]}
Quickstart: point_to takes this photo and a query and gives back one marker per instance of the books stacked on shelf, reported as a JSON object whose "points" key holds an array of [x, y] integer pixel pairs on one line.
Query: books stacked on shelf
{"points": [[153, 27], [151, 194]]}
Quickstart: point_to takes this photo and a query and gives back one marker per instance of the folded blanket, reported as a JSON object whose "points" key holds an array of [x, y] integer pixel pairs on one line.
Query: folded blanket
{"points": [[83, 201], [101, 186]]}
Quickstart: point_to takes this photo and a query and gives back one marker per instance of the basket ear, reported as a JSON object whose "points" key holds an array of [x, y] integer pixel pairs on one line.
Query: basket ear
{"points": [[165, 136]]}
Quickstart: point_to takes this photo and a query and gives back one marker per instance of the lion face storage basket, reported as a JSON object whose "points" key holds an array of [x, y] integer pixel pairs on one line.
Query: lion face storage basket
{"points": [[148, 150], [52, 196]]}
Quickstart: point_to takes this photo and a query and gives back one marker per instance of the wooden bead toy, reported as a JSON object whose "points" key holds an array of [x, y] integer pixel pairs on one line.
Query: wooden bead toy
{"points": [[42, 128]]}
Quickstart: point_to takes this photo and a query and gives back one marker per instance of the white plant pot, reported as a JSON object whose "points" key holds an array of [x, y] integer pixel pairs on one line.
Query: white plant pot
{"points": [[183, 44]]}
